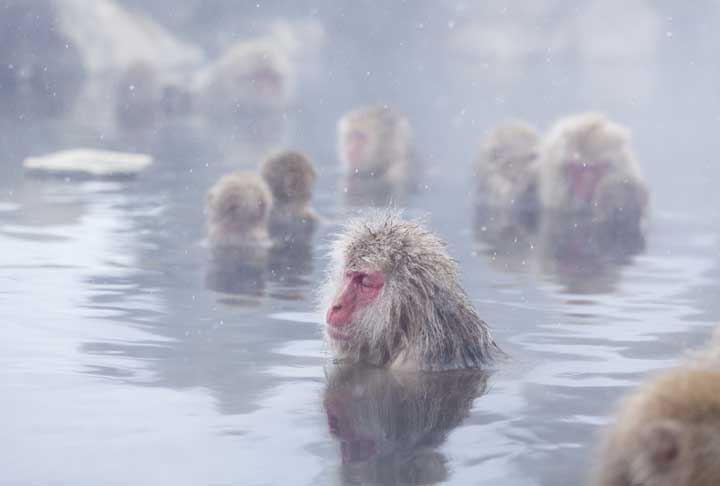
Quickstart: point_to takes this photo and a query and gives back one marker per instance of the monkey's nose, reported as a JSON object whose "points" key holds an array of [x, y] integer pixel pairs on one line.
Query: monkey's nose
{"points": [[336, 307]]}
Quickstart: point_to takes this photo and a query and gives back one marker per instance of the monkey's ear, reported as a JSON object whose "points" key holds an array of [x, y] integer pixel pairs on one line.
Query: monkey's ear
{"points": [[662, 444]]}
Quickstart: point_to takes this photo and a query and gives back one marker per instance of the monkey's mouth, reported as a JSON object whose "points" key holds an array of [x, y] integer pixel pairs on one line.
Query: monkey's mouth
{"points": [[584, 178], [267, 82], [336, 334]]}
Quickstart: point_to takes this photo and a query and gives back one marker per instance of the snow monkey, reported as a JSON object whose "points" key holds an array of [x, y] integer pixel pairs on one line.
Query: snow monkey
{"points": [[505, 172], [375, 143], [394, 299], [587, 165], [667, 433], [291, 178], [249, 76], [238, 209]]}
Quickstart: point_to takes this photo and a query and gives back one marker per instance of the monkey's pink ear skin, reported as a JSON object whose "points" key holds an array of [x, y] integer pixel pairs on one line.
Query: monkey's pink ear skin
{"points": [[663, 444]]}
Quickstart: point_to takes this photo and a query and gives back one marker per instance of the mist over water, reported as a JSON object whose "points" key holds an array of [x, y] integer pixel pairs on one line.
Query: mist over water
{"points": [[126, 359]]}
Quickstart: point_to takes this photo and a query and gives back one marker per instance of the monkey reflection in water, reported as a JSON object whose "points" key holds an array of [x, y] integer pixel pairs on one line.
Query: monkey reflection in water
{"points": [[375, 149], [238, 211], [390, 424], [585, 256]]}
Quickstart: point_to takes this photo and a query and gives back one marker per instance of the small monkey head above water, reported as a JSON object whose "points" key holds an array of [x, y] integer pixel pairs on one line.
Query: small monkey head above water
{"points": [[291, 178], [580, 153], [666, 434], [375, 142], [505, 170], [394, 298], [238, 208], [137, 96]]}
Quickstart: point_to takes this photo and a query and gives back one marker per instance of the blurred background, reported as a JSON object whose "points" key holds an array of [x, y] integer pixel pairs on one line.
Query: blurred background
{"points": [[123, 361]]}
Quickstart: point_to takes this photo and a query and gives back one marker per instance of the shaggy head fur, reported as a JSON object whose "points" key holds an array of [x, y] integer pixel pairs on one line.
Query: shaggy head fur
{"points": [[238, 208], [422, 317]]}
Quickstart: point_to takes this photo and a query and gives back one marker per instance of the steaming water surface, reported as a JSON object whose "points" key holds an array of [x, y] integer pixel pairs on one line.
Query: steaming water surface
{"points": [[126, 359], [120, 366]]}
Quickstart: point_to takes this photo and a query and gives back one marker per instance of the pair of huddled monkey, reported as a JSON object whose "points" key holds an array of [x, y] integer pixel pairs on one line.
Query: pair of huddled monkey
{"points": [[584, 166], [261, 222], [249, 209], [572, 204], [250, 78]]}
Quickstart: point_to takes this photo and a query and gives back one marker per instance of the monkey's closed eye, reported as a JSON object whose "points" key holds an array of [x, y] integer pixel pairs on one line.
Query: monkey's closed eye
{"points": [[371, 281]]}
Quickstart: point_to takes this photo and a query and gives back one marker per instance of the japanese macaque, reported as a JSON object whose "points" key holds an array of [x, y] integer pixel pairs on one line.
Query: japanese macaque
{"points": [[394, 299], [238, 209], [137, 97], [374, 145], [667, 433], [586, 162], [250, 76], [291, 178], [506, 171], [390, 425]]}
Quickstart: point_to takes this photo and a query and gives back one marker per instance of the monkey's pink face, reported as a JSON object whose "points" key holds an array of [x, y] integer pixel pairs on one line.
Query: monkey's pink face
{"points": [[267, 81], [584, 177], [358, 290], [356, 148], [354, 446]]}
